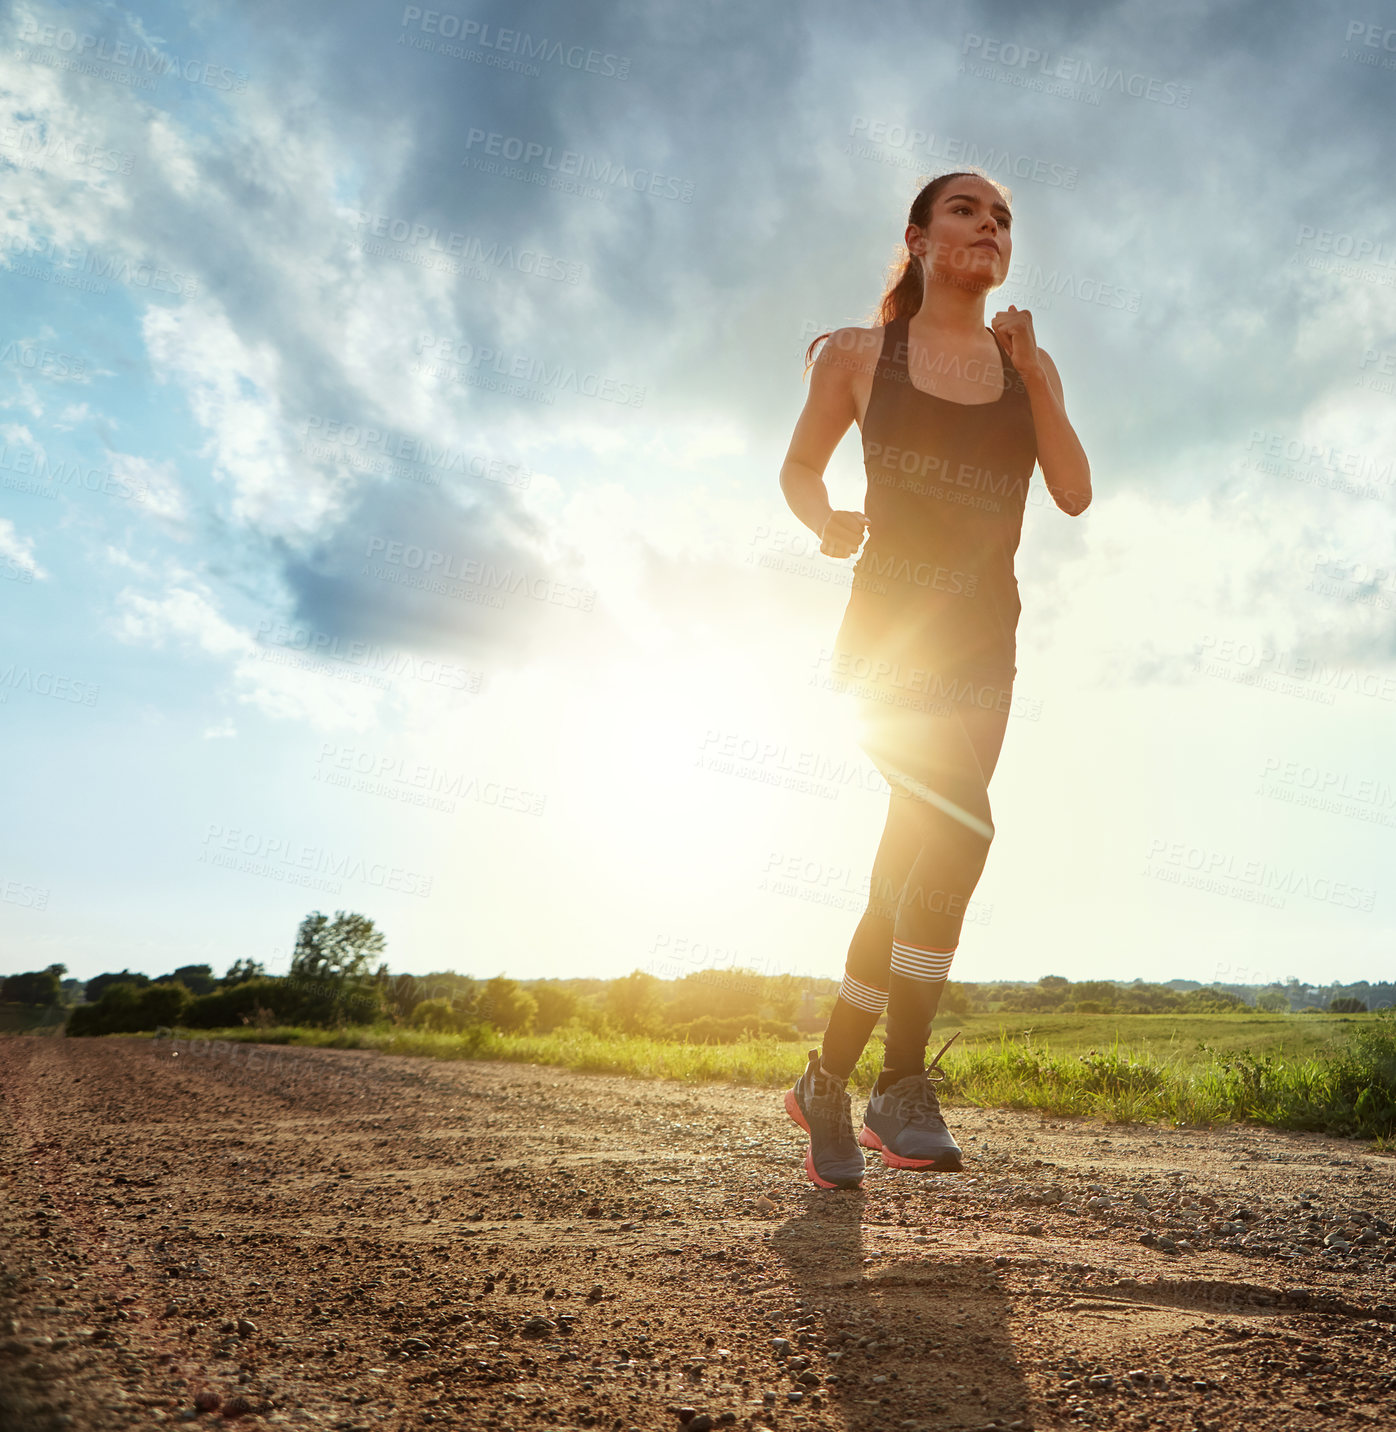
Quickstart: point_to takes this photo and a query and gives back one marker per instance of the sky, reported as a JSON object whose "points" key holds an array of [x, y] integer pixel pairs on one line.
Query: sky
{"points": [[392, 405]]}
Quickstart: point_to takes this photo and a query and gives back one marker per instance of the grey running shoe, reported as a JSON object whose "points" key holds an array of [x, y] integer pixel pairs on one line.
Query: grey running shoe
{"points": [[819, 1104], [905, 1124]]}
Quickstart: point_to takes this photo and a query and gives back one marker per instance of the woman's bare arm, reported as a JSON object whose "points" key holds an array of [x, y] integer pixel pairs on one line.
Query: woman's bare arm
{"points": [[828, 414], [1063, 461]]}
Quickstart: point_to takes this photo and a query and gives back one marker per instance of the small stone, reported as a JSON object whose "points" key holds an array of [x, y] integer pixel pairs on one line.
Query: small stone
{"points": [[596, 1294], [686, 1414], [765, 1205], [246, 1328], [207, 1401], [781, 1346], [701, 1423], [238, 1406], [1036, 1230], [538, 1324]]}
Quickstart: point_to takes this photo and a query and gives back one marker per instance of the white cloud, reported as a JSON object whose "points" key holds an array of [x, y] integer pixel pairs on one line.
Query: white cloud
{"points": [[18, 552]]}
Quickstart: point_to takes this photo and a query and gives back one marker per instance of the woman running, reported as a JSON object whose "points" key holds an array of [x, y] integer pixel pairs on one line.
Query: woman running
{"points": [[954, 415]]}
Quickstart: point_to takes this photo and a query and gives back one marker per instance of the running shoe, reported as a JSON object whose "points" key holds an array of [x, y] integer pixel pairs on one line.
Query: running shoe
{"points": [[819, 1104], [905, 1125]]}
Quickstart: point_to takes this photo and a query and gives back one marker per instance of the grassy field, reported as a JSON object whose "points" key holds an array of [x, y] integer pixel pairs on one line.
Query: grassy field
{"points": [[1328, 1073], [1292, 1036]]}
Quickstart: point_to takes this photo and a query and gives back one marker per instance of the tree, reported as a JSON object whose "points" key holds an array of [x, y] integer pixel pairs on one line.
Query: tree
{"points": [[98, 983], [1272, 1001], [330, 967], [633, 1002], [242, 970], [1347, 1005], [197, 979], [556, 1006], [36, 987], [505, 1004], [435, 1015]]}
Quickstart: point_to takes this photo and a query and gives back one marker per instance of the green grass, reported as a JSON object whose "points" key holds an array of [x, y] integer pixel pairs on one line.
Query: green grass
{"points": [[1325, 1073]]}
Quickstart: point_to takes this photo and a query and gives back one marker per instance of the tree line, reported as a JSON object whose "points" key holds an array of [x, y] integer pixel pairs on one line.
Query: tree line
{"points": [[338, 977]]}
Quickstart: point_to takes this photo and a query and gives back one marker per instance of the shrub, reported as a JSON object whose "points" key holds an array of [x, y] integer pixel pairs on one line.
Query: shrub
{"points": [[709, 1029], [438, 1016], [128, 1009]]}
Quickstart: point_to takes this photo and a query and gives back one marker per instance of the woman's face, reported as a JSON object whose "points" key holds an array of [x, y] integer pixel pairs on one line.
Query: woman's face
{"points": [[968, 239]]}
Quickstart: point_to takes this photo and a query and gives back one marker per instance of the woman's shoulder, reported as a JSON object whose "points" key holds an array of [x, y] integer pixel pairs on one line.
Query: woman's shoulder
{"points": [[852, 347]]}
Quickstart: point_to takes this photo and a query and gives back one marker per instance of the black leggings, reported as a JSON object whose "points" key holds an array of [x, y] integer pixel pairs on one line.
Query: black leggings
{"points": [[938, 761]]}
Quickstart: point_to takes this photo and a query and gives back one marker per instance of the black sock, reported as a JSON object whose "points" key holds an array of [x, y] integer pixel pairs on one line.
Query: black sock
{"points": [[888, 1077], [848, 1031]]}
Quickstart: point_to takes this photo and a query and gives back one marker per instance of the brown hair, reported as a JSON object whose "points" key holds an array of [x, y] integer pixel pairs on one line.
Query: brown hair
{"points": [[902, 294]]}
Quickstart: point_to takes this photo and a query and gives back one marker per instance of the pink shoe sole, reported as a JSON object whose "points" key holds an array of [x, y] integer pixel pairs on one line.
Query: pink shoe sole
{"points": [[869, 1140], [792, 1107]]}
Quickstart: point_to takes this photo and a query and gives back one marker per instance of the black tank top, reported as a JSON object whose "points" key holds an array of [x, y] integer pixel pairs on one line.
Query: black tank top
{"points": [[947, 484]]}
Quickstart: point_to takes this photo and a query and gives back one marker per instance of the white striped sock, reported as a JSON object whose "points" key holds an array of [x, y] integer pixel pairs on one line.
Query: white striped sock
{"points": [[862, 996], [921, 964]]}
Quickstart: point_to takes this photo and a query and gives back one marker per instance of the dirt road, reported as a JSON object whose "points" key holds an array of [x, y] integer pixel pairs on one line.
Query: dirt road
{"points": [[356, 1242]]}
